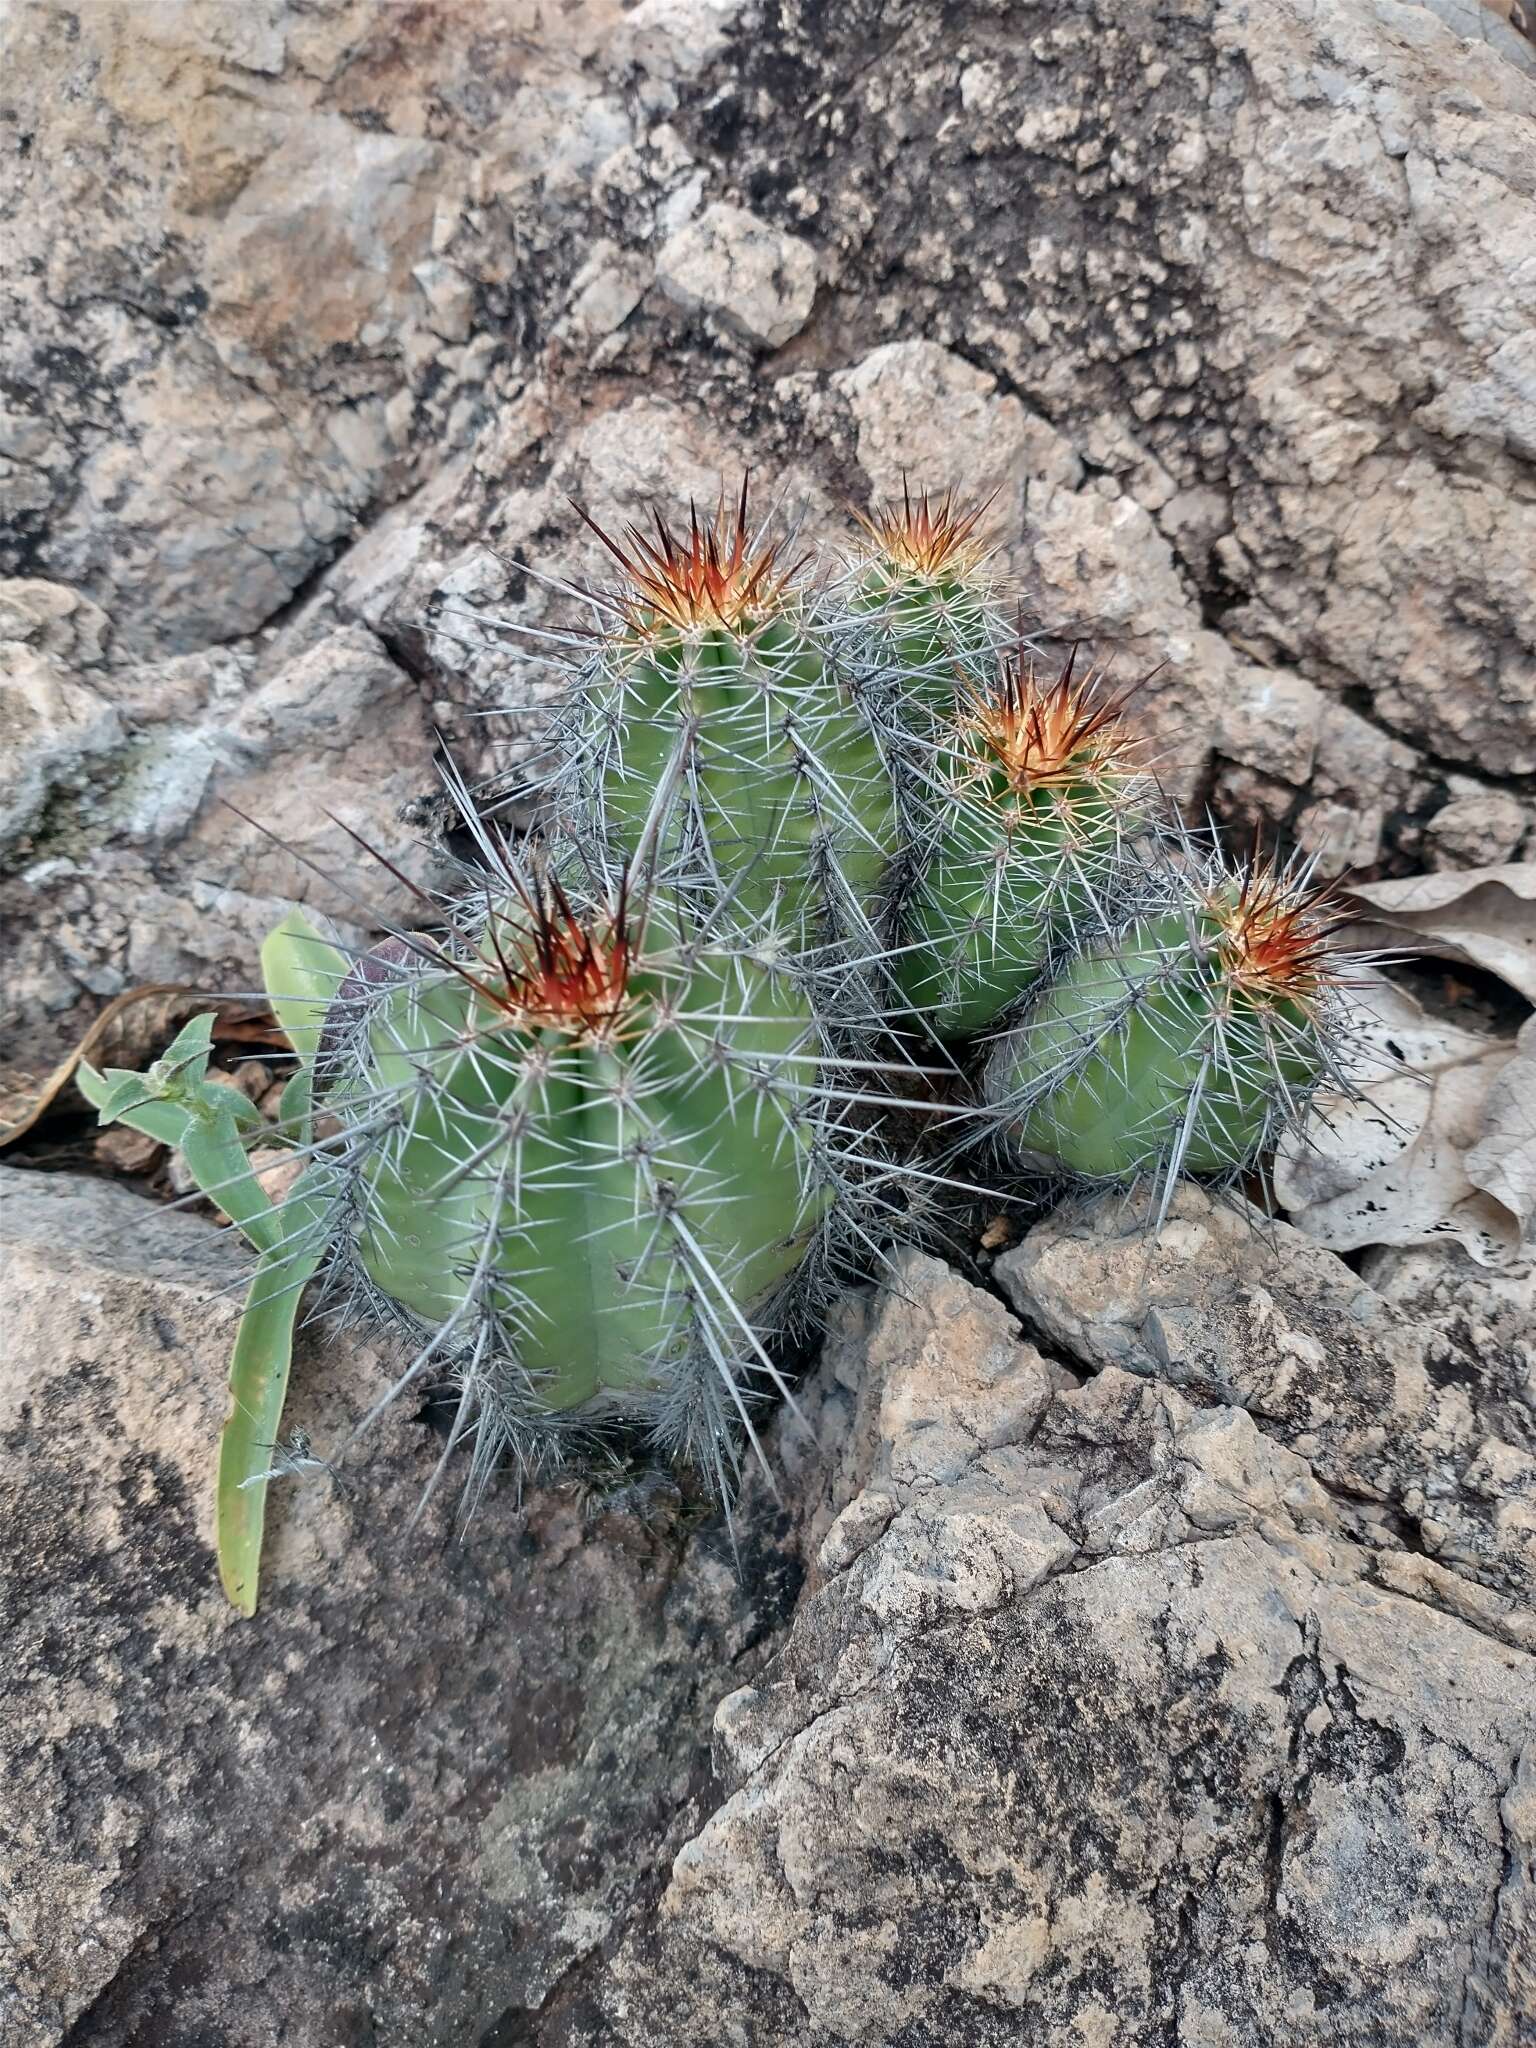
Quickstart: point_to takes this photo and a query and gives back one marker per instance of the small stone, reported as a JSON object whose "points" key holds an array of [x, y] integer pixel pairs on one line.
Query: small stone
{"points": [[605, 291], [121, 1150], [674, 39], [450, 298], [1269, 721], [759, 281], [1479, 829], [54, 733], [924, 412], [1344, 835]]}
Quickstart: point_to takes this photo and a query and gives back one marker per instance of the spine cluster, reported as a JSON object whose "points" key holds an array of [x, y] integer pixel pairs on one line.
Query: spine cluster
{"points": [[835, 895]]}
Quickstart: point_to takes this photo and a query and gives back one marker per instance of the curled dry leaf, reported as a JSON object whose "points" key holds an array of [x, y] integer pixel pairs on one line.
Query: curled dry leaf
{"points": [[1483, 915], [1432, 1150], [1503, 1161]]}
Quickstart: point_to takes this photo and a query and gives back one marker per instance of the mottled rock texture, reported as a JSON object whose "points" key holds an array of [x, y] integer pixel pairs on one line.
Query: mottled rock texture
{"points": [[1426, 1426], [1104, 1718], [314, 316], [402, 1806], [1175, 1692]]}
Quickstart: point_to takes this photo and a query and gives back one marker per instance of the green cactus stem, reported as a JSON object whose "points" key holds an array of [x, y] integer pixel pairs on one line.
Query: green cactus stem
{"points": [[1186, 1043], [919, 583], [1036, 806], [580, 1154], [712, 743]]}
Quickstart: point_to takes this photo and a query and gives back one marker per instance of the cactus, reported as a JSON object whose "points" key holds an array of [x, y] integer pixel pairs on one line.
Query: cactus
{"points": [[1036, 806], [600, 1142], [713, 739], [918, 585], [589, 1162], [590, 1159], [1187, 1041]]}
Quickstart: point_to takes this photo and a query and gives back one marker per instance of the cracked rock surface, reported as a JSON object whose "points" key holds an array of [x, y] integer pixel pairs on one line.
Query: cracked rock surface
{"points": [[1170, 1681], [404, 1806], [316, 317], [1102, 1718]]}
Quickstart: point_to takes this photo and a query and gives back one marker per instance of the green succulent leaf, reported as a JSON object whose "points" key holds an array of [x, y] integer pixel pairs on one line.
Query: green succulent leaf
{"points": [[175, 1103], [119, 1098], [258, 1385], [296, 1114], [302, 971]]}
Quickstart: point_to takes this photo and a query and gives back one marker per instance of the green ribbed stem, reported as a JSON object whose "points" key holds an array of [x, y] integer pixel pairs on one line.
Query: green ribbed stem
{"points": [[777, 785], [563, 1184], [1145, 1055], [938, 632], [1011, 878]]}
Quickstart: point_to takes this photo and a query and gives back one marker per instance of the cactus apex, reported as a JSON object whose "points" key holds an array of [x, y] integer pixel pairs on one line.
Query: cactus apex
{"points": [[937, 537], [718, 574]]}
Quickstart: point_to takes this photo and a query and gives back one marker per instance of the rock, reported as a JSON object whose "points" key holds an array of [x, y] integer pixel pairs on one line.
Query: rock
{"points": [[605, 291], [54, 732], [1478, 828], [1272, 721], [203, 800], [1092, 1725], [925, 413], [1505, 24], [1487, 1309], [677, 38], [1429, 1433], [757, 280], [316, 320], [53, 620], [404, 1801]]}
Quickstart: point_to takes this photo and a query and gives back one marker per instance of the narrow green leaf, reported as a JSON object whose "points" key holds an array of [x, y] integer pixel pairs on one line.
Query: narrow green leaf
{"points": [[206, 1119], [295, 1117], [216, 1160], [302, 972], [258, 1385]]}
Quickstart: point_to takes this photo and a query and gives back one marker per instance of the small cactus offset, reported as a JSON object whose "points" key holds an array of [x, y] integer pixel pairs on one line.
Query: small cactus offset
{"points": [[918, 584], [1037, 805], [829, 880], [1186, 1041], [714, 740]]}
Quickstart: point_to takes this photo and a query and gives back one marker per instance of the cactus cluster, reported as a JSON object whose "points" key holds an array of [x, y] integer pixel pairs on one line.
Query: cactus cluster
{"points": [[836, 903]]}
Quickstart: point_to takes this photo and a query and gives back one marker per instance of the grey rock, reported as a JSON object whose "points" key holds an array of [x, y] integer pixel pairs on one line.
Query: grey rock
{"points": [[1092, 1726], [54, 731], [202, 800], [408, 1799], [757, 280], [1426, 1431], [1478, 828]]}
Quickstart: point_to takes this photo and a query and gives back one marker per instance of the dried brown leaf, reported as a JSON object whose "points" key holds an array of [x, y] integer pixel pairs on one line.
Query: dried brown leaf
{"points": [[1428, 1153], [1483, 915]]}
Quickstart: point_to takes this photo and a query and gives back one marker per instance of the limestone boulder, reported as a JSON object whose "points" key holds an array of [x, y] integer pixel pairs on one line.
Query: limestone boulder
{"points": [[1096, 1722], [411, 1797]]}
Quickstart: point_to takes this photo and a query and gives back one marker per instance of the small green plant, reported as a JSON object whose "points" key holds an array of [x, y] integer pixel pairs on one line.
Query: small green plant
{"points": [[212, 1124], [831, 888]]}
